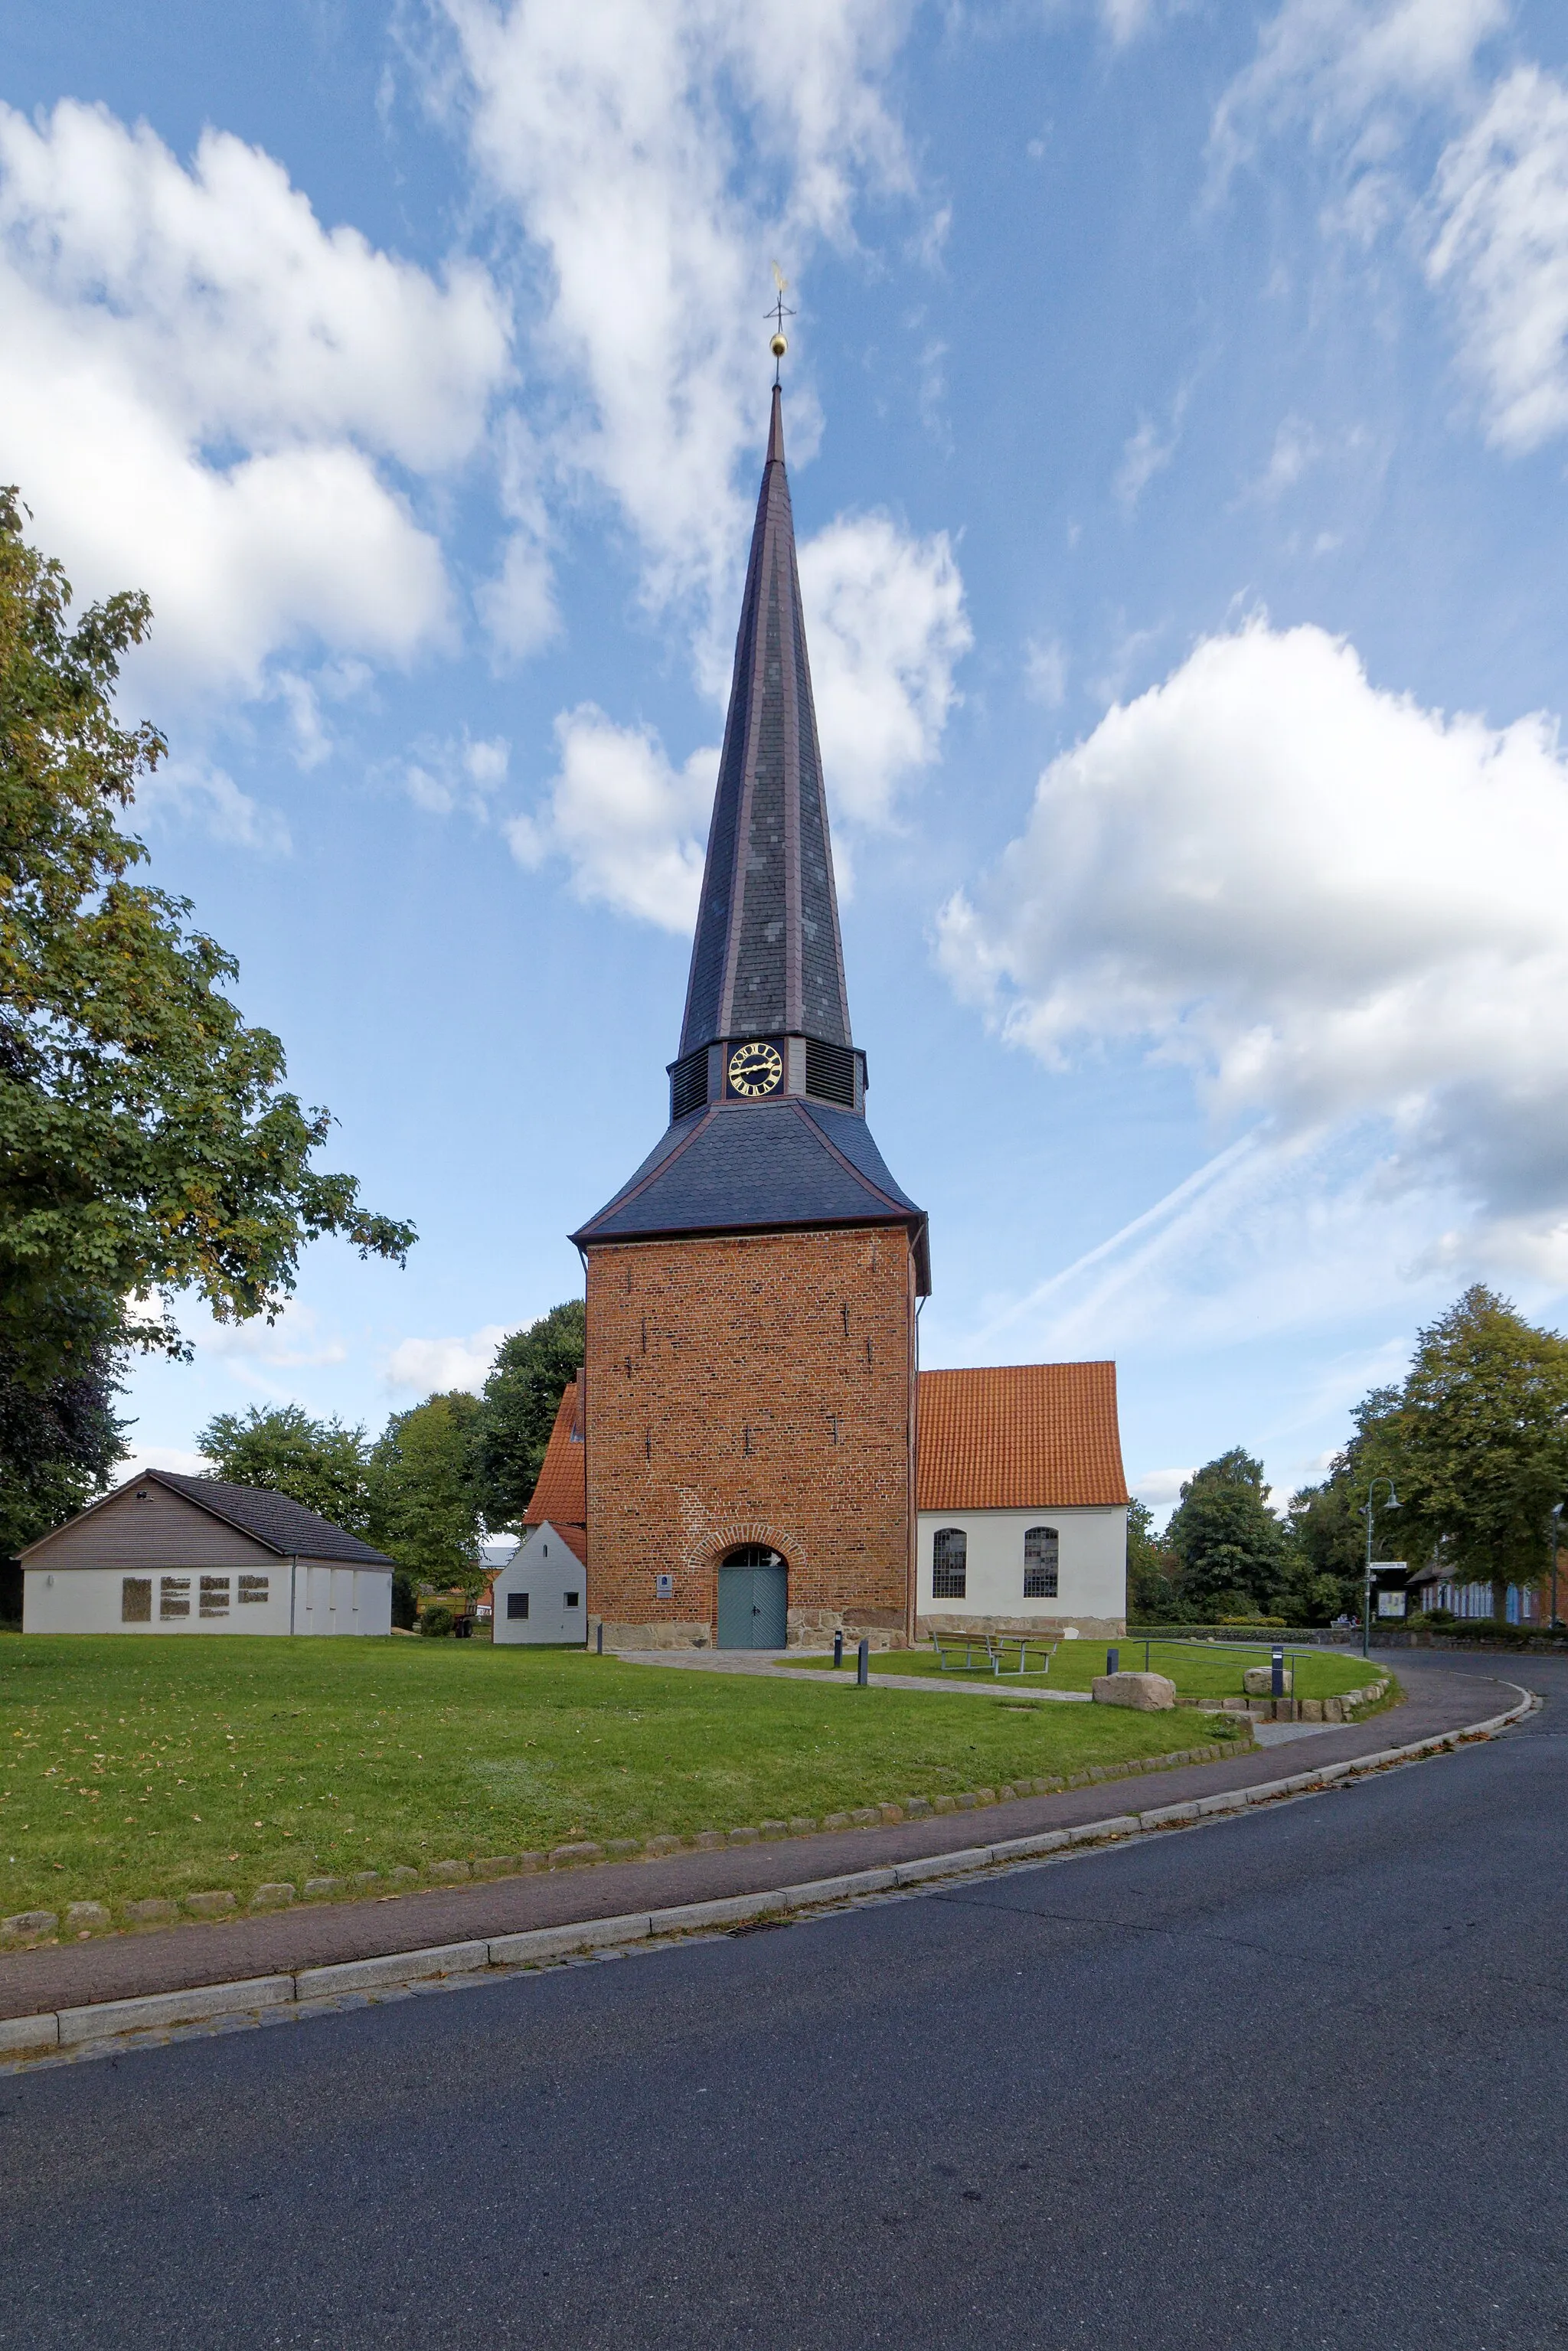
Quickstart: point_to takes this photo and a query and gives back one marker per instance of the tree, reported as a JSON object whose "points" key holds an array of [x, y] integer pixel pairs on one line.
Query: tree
{"points": [[58, 1445], [318, 1462], [147, 1144], [423, 1499], [1327, 1528], [532, 1369], [1152, 1595], [1230, 1546], [1478, 1445]]}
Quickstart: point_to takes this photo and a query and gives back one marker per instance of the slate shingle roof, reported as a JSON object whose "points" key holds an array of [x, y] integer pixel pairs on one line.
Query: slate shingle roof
{"points": [[766, 957], [759, 1167], [284, 1526], [561, 1493], [1019, 1436]]}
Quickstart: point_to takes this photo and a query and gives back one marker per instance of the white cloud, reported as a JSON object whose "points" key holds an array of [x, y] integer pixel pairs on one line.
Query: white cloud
{"points": [[1493, 225], [1337, 64], [1145, 455], [1501, 250], [209, 799], [657, 152], [200, 386], [1045, 671], [1161, 1487], [1125, 20], [436, 1365], [517, 606], [142, 1458], [630, 826], [1341, 911], [460, 772], [293, 1340], [1296, 450], [887, 626]]}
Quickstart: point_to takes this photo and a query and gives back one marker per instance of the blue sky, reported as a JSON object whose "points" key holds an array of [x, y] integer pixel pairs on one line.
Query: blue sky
{"points": [[1177, 414]]}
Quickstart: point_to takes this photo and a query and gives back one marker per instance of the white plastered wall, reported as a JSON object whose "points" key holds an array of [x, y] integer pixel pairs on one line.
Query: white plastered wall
{"points": [[1091, 1572], [334, 1599], [89, 1600], [545, 1566]]}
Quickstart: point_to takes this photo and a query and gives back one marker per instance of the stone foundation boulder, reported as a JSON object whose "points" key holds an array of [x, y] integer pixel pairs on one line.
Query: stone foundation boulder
{"points": [[1148, 1693], [1258, 1681]]}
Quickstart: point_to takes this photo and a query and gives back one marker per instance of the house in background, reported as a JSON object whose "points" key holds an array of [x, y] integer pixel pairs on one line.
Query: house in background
{"points": [[495, 1552], [540, 1595], [1437, 1586], [173, 1554], [1021, 1501]]}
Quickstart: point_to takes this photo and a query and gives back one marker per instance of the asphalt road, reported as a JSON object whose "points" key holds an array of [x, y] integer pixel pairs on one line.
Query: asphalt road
{"points": [[1295, 2079]]}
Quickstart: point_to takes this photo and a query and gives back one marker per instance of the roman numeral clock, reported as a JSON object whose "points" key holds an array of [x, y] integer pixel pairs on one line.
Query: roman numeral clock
{"points": [[755, 1068]]}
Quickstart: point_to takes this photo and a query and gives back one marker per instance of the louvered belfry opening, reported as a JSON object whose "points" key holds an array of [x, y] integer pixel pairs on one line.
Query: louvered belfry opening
{"points": [[767, 961]]}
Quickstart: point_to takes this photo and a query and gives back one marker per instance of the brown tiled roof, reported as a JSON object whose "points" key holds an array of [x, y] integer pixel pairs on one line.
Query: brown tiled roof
{"points": [[561, 1494], [1019, 1436]]}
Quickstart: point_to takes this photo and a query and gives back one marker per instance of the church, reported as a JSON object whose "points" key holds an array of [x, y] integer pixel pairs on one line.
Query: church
{"points": [[744, 1432]]}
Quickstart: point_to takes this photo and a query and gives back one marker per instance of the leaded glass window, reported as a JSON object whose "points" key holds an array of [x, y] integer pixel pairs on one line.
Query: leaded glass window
{"points": [[1041, 1557]]}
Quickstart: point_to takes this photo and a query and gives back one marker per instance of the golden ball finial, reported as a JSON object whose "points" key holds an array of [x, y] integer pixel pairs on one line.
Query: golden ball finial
{"points": [[779, 345]]}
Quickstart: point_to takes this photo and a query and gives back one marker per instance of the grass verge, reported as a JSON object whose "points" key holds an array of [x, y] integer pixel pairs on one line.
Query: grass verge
{"points": [[169, 1766], [1197, 1672]]}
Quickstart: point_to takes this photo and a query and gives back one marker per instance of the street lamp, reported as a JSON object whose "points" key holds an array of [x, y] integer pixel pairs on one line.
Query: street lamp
{"points": [[1556, 1531], [1366, 1588]]}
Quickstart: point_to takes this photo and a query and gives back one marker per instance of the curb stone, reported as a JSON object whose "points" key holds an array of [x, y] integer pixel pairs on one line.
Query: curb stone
{"points": [[29, 1927], [126, 2021]]}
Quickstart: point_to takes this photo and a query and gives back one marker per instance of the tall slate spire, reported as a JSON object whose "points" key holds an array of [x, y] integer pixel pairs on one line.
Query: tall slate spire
{"points": [[768, 1129], [767, 960]]}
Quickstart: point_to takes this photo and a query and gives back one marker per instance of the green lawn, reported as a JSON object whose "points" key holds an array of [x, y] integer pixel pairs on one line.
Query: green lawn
{"points": [[166, 1766], [1196, 1671]]}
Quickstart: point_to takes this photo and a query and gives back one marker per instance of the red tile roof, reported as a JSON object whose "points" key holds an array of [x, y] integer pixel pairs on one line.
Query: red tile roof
{"points": [[561, 1494], [1019, 1436]]}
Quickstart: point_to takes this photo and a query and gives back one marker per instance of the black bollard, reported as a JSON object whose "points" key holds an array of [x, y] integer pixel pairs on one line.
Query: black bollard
{"points": [[1277, 1677], [1113, 1661], [863, 1664], [601, 1636], [837, 1648]]}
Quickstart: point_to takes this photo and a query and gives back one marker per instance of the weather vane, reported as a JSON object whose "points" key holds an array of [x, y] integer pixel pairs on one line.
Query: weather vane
{"points": [[778, 313]]}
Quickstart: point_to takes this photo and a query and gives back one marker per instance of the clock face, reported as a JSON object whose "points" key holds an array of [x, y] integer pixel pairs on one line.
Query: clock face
{"points": [[756, 1069]]}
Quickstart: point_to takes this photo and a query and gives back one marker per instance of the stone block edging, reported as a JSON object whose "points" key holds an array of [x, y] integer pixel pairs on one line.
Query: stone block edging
{"points": [[123, 2021], [27, 1929]]}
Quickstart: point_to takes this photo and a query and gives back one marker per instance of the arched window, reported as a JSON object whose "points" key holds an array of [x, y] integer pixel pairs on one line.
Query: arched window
{"points": [[949, 1562], [1042, 1557]]}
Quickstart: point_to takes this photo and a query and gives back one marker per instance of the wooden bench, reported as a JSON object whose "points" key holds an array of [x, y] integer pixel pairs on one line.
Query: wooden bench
{"points": [[994, 1649]]}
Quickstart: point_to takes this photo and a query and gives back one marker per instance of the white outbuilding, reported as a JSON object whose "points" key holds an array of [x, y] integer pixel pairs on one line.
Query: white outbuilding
{"points": [[540, 1595], [174, 1554], [1021, 1521]]}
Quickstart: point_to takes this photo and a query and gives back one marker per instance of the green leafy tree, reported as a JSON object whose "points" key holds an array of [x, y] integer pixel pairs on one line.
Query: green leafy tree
{"points": [[532, 1369], [1152, 1597], [1231, 1549], [424, 1500], [1327, 1528], [58, 1445], [1479, 1446], [318, 1462], [147, 1143]]}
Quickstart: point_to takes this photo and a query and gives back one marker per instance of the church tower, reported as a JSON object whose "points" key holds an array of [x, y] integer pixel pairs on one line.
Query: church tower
{"points": [[751, 1376]]}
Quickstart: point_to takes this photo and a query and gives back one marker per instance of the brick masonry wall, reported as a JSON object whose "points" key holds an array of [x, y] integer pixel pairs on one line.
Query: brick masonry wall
{"points": [[752, 1389]]}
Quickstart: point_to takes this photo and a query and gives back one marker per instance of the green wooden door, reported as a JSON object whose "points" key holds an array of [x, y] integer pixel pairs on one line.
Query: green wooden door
{"points": [[753, 1600]]}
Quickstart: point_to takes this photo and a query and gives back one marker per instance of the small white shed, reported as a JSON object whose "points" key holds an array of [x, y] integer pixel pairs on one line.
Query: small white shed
{"points": [[540, 1595], [173, 1554]]}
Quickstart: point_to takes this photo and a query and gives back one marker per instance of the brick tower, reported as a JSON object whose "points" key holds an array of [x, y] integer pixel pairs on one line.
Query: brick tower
{"points": [[751, 1368]]}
